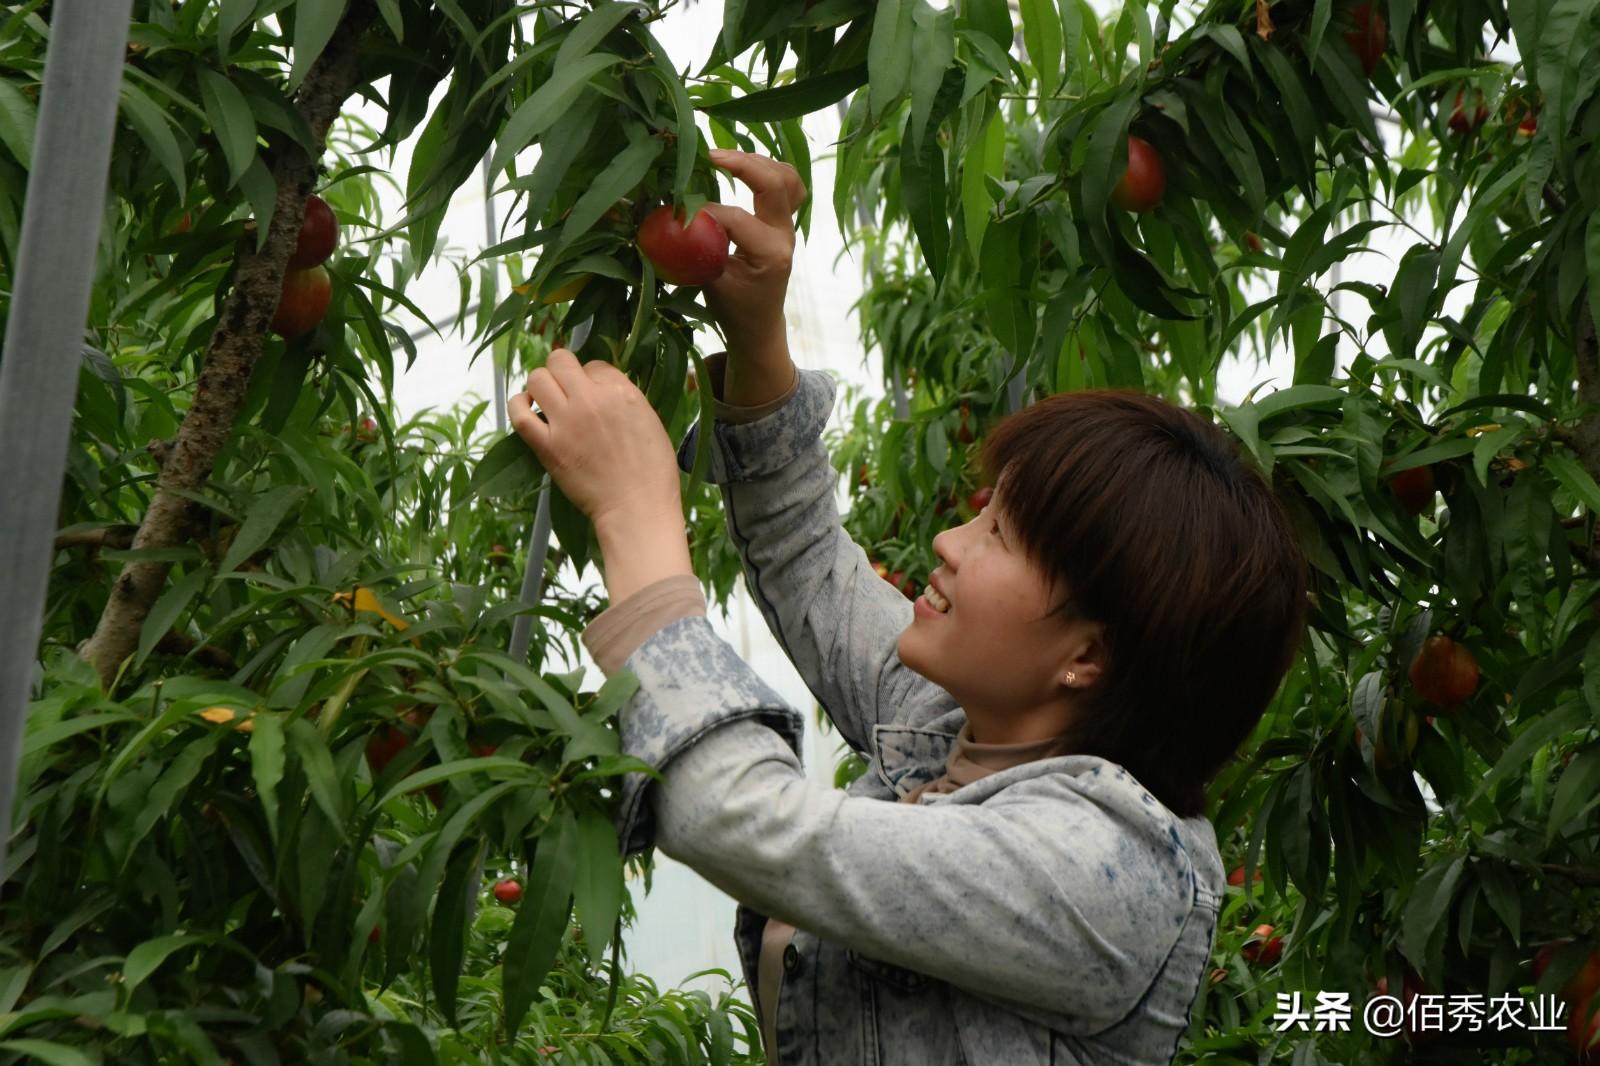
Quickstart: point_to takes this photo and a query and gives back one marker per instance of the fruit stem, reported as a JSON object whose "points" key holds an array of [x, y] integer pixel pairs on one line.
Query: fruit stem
{"points": [[334, 705]]}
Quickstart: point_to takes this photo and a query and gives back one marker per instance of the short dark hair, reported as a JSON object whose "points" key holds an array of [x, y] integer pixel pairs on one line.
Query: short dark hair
{"points": [[1159, 527]]}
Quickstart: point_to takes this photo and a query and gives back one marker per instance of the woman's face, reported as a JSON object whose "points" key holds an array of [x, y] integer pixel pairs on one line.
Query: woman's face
{"points": [[994, 651]]}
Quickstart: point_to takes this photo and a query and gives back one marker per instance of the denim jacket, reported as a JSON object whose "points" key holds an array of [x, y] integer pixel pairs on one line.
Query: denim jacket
{"points": [[1049, 913]]}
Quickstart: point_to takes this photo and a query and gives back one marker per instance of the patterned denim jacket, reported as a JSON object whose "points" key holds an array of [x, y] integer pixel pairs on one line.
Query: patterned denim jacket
{"points": [[1050, 913]]}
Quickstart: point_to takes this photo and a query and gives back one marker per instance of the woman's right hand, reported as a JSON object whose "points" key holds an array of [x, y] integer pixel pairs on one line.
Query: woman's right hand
{"points": [[747, 300]]}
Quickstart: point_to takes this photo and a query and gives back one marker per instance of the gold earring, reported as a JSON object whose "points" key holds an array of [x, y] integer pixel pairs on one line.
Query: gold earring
{"points": [[1071, 677]]}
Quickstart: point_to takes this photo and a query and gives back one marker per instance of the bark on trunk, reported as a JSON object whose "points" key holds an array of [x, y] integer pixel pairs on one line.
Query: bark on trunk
{"points": [[235, 346]]}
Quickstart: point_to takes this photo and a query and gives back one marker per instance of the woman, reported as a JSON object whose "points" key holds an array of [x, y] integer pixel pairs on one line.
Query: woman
{"points": [[1025, 873]]}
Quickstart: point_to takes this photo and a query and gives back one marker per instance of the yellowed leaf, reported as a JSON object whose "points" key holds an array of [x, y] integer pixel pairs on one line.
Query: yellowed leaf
{"points": [[219, 715], [1264, 26]]}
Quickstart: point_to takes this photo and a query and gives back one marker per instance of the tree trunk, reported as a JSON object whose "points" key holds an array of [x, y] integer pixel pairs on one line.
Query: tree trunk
{"points": [[235, 346]]}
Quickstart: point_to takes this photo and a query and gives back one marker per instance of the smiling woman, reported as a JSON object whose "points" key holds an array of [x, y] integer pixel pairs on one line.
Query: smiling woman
{"points": [[1192, 565], [1025, 873]]}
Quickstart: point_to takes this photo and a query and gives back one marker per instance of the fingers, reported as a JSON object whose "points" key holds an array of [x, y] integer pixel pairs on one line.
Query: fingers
{"points": [[529, 426], [750, 235], [778, 190]]}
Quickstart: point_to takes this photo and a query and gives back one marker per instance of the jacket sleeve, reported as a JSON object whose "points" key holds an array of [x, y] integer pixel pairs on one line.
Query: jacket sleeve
{"points": [[1063, 893], [837, 621]]}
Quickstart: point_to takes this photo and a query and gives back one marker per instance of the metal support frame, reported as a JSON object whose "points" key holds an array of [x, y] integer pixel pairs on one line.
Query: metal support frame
{"points": [[44, 339]]}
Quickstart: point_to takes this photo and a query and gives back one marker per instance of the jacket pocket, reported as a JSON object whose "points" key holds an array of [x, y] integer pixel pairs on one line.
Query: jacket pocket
{"points": [[890, 974]]}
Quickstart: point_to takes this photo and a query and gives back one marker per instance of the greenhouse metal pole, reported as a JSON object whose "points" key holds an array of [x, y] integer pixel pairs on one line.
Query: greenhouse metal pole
{"points": [[61, 218]]}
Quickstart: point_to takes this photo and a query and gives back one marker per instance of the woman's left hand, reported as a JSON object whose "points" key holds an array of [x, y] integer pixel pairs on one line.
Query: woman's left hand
{"points": [[600, 439]]}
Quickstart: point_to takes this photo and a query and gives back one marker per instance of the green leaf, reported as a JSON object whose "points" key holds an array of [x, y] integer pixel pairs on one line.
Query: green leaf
{"points": [[791, 100], [432, 775], [934, 44], [1429, 903], [889, 53], [507, 467], [439, 848], [1591, 675], [155, 129], [314, 23], [390, 9], [1567, 67], [1041, 35], [1576, 792], [620, 177], [165, 611], [1501, 891], [231, 120], [541, 918], [49, 1052], [261, 189], [922, 182], [266, 764], [317, 762], [1574, 478], [687, 133], [1592, 260], [1564, 718], [985, 158], [232, 15], [591, 30], [1297, 397], [262, 520], [447, 940], [597, 890], [547, 104], [19, 122], [145, 959]]}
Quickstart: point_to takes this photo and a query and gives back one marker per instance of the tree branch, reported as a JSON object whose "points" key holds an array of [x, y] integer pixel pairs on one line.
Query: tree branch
{"points": [[1587, 876], [235, 346]]}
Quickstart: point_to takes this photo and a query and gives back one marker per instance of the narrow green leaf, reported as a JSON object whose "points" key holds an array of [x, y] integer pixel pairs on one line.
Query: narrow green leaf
{"points": [[541, 918], [889, 53], [1574, 478], [1429, 903], [791, 100], [314, 23], [1592, 259], [546, 105], [687, 133], [985, 158], [1501, 892], [934, 44], [390, 10], [598, 888], [49, 1052], [231, 120], [447, 940], [317, 763], [591, 30], [266, 764], [620, 177], [230, 17], [508, 466], [1576, 792], [1041, 35], [165, 611], [261, 521], [19, 122], [261, 189], [439, 848], [1564, 718], [154, 128], [922, 182], [145, 959]]}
